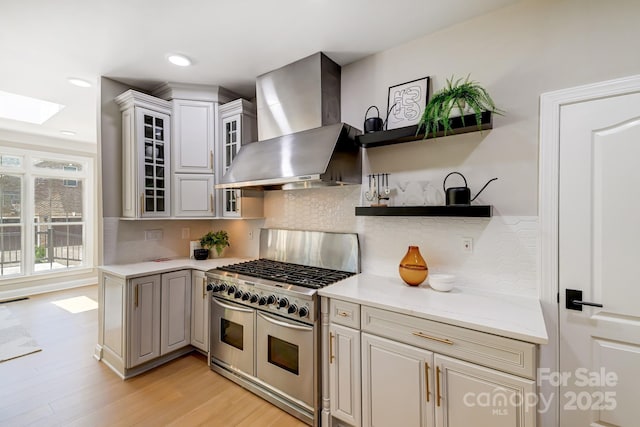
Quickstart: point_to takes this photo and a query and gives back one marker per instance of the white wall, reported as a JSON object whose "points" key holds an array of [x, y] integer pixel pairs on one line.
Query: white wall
{"points": [[517, 53]]}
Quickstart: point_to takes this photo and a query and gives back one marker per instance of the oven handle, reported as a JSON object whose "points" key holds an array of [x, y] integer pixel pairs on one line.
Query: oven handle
{"points": [[231, 307], [285, 324]]}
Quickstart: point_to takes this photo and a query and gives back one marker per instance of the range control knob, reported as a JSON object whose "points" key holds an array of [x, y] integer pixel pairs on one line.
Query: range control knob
{"points": [[262, 301], [254, 298], [238, 294], [209, 287], [283, 303], [292, 309], [245, 296], [271, 299], [221, 288], [214, 288], [303, 312], [231, 290]]}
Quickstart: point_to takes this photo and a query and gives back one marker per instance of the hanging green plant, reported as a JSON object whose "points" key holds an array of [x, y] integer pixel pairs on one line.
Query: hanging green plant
{"points": [[458, 94]]}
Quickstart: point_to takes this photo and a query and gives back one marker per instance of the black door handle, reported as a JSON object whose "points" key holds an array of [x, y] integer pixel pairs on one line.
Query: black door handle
{"points": [[574, 301]]}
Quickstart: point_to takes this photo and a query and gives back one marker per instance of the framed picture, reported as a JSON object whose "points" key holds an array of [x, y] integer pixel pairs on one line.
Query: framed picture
{"points": [[406, 103]]}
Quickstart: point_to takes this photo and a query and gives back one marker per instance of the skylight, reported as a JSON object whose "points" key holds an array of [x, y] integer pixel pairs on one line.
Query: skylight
{"points": [[26, 109]]}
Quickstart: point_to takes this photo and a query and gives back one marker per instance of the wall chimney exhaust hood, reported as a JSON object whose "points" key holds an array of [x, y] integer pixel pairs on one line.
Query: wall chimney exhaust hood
{"points": [[301, 143]]}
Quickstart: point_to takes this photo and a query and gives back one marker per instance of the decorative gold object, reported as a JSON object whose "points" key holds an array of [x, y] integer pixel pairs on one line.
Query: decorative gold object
{"points": [[413, 268]]}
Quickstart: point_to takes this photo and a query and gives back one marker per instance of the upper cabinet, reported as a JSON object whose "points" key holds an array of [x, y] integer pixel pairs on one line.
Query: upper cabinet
{"points": [[193, 136], [194, 146], [146, 155], [238, 127]]}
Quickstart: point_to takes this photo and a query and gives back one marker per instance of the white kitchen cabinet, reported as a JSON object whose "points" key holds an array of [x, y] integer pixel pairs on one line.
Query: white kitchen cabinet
{"points": [[175, 313], [419, 372], [193, 136], [193, 158], [199, 311], [193, 195], [468, 394], [344, 373], [396, 384], [144, 328], [237, 127], [146, 155], [143, 321]]}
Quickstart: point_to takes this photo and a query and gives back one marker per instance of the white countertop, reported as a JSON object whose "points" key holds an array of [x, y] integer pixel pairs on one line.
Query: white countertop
{"points": [[506, 315], [129, 271]]}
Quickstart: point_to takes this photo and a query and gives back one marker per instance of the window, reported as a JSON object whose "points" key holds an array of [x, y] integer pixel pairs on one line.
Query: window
{"points": [[43, 212]]}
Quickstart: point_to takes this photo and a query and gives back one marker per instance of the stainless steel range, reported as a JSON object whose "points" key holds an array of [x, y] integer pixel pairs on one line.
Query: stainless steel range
{"points": [[264, 315]]}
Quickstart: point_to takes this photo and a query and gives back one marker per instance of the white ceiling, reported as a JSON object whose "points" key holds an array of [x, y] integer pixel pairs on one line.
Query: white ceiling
{"points": [[43, 42]]}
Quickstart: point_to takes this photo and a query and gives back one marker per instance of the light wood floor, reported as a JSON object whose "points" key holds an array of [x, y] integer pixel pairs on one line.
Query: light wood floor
{"points": [[63, 385]]}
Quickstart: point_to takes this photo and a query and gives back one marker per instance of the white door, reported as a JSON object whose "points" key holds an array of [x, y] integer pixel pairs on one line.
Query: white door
{"points": [[599, 252]]}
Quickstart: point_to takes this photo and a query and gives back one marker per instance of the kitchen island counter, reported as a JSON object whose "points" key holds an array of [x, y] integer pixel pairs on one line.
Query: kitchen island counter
{"points": [[139, 269], [510, 316]]}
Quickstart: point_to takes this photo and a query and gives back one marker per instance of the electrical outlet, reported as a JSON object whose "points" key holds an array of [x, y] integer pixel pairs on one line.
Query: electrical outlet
{"points": [[250, 235], [153, 234], [467, 245]]}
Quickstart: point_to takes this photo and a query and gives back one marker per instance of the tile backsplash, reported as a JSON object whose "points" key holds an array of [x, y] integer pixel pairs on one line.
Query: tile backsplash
{"points": [[504, 253]]}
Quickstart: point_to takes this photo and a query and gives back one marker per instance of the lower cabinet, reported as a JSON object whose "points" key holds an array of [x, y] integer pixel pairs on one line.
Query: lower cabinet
{"points": [[175, 312], [199, 311], [397, 389], [344, 371], [144, 321], [391, 369], [144, 327]]}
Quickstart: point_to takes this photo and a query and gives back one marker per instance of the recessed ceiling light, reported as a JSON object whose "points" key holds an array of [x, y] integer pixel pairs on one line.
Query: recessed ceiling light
{"points": [[78, 82], [67, 132], [26, 109], [179, 60]]}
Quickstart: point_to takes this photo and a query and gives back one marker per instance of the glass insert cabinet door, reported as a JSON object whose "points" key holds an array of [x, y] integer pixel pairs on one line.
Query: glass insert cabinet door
{"points": [[231, 138], [154, 174]]}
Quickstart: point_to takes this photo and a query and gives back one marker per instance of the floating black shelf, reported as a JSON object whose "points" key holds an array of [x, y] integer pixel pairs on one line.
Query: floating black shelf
{"points": [[408, 134], [479, 211]]}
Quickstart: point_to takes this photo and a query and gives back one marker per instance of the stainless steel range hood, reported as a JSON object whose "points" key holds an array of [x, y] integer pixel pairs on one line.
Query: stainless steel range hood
{"points": [[301, 143]]}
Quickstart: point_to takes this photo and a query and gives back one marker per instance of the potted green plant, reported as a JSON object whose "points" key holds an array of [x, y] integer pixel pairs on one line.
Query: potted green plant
{"points": [[215, 239], [457, 95]]}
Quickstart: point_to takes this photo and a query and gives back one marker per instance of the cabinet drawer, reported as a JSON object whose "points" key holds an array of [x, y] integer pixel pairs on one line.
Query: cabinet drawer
{"points": [[345, 313], [504, 354]]}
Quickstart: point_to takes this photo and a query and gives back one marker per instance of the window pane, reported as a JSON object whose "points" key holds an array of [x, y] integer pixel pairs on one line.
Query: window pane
{"points": [[57, 165], [10, 250], [10, 198], [58, 246], [56, 200], [10, 161], [10, 225]]}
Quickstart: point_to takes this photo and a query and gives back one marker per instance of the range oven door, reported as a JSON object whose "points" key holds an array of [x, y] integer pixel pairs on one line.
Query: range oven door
{"points": [[232, 331], [285, 356]]}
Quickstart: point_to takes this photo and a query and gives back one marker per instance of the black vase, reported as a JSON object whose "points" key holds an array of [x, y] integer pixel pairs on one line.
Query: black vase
{"points": [[201, 254]]}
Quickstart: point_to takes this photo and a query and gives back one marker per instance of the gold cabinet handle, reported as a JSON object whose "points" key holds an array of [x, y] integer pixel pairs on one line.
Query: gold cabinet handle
{"points": [[212, 206], [426, 379], [429, 337], [343, 314], [204, 287], [211, 159], [438, 396], [331, 356], [141, 203], [136, 298]]}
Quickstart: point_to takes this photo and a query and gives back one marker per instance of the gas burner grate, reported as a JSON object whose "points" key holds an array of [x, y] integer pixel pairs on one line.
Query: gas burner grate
{"points": [[284, 272]]}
